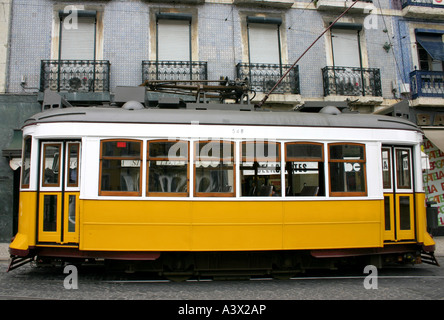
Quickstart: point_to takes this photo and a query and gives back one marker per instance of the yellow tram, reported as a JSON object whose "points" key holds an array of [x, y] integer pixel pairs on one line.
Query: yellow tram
{"points": [[205, 191]]}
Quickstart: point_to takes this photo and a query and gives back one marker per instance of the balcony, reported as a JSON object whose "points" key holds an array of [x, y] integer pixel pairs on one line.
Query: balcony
{"points": [[75, 76], [351, 81], [431, 9], [262, 77], [174, 70], [427, 87]]}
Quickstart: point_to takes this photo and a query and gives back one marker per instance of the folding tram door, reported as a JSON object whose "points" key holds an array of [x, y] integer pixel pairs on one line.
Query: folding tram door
{"points": [[399, 198], [59, 189]]}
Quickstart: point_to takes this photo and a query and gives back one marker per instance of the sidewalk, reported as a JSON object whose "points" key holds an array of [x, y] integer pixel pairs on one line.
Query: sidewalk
{"points": [[4, 252], [439, 251]]}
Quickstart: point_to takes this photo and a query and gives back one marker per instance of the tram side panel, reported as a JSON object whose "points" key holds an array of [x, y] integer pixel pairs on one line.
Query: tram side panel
{"points": [[332, 224], [229, 225], [26, 235]]}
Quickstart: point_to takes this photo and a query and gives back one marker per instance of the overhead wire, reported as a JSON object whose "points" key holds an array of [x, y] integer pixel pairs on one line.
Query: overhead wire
{"points": [[393, 51]]}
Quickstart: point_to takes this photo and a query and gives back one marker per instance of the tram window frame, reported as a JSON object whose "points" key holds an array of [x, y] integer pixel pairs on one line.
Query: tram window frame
{"points": [[335, 161], [222, 159], [26, 162], [70, 182], [184, 158], [55, 167], [306, 190], [386, 168], [265, 189], [404, 173], [117, 158]]}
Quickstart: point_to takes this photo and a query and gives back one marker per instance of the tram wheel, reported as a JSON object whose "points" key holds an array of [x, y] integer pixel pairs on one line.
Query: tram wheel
{"points": [[177, 277], [283, 275]]}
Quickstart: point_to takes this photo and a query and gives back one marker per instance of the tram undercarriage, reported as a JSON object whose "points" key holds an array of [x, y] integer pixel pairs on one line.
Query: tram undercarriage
{"points": [[179, 266]]}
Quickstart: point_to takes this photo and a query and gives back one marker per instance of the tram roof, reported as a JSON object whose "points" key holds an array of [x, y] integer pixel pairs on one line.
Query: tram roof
{"points": [[219, 117]]}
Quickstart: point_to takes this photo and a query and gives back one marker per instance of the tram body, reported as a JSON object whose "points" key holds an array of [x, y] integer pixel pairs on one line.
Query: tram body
{"points": [[211, 189]]}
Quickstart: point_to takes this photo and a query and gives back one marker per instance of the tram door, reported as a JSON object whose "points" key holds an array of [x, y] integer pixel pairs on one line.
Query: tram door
{"points": [[59, 192], [398, 193]]}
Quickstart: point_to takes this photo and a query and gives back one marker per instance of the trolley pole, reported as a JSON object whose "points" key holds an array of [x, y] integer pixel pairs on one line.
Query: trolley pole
{"points": [[300, 57]]}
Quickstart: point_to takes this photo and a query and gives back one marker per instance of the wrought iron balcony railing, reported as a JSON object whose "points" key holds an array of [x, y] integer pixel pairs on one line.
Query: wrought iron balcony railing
{"points": [[348, 81], [174, 70], [427, 84], [422, 3], [75, 75], [262, 77]]}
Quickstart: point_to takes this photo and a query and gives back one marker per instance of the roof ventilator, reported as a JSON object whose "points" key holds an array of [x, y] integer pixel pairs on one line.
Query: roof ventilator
{"points": [[330, 110]]}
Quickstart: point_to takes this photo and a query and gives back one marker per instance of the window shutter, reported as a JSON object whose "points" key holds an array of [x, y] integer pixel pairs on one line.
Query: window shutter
{"points": [[264, 43], [78, 43], [173, 40], [345, 48]]}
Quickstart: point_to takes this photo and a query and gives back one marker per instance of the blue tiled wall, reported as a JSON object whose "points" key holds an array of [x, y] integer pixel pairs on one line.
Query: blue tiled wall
{"points": [[127, 42]]}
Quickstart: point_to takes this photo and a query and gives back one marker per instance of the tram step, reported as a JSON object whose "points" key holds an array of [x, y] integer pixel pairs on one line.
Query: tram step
{"points": [[16, 262], [429, 258]]}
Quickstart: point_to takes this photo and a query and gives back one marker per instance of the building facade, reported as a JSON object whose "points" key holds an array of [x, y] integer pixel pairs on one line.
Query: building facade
{"points": [[419, 48], [86, 50]]}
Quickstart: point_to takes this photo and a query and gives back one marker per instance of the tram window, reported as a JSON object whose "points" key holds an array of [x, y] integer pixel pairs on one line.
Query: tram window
{"points": [[26, 162], [51, 165], [403, 166], [50, 213], [386, 168], [120, 167], [167, 168], [260, 169], [214, 168], [347, 169], [304, 169], [72, 165]]}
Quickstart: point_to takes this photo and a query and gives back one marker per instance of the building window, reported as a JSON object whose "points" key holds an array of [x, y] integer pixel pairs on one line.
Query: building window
{"points": [[347, 169], [173, 37], [346, 48], [120, 167], [175, 55], [264, 67], [347, 76], [260, 168], [260, 31], [304, 175], [430, 50], [167, 166], [75, 64], [77, 36], [214, 172]]}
